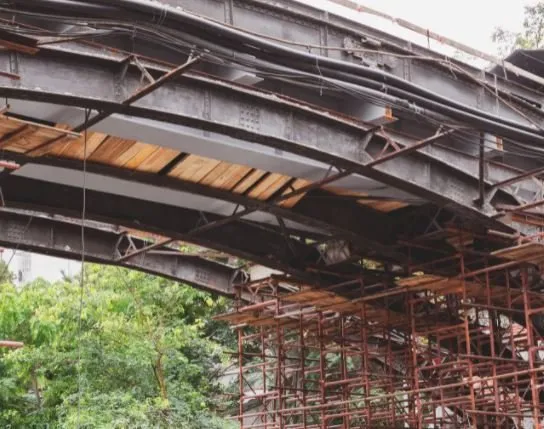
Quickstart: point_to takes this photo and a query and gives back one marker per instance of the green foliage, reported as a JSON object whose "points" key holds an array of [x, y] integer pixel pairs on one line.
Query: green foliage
{"points": [[530, 37], [149, 352]]}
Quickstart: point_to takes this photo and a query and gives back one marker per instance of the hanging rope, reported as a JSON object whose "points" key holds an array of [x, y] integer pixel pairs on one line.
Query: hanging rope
{"points": [[82, 276]]}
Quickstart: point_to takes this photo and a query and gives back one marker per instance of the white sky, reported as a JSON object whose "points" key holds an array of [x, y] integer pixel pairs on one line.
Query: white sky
{"points": [[467, 21]]}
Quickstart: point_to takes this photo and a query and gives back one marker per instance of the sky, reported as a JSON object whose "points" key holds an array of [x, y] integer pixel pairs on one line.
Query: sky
{"points": [[471, 22]]}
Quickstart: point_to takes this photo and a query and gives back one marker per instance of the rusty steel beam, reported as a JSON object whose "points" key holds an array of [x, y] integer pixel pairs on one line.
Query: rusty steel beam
{"points": [[38, 233], [140, 93], [284, 124], [516, 179], [373, 235], [245, 240], [411, 148]]}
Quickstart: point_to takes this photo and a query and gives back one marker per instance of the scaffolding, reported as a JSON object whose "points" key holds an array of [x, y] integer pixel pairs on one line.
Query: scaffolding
{"points": [[424, 352]]}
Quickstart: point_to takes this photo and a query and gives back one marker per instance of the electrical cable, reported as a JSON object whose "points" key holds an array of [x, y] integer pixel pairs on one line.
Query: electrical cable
{"points": [[381, 95], [282, 54], [512, 128]]}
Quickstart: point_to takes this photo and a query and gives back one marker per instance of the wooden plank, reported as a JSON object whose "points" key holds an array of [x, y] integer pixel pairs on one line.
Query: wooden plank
{"points": [[529, 252], [213, 175], [31, 135], [110, 150], [225, 175], [12, 140], [158, 160], [131, 153], [74, 149], [236, 318], [249, 181], [238, 172], [27, 141], [272, 189], [51, 131], [268, 186], [231, 177], [145, 152], [194, 168], [383, 206], [66, 146], [345, 192], [7, 126], [417, 281], [297, 184]]}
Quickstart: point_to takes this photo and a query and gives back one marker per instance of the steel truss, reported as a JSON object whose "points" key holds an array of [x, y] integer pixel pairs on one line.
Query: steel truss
{"points": [[427, 352]]}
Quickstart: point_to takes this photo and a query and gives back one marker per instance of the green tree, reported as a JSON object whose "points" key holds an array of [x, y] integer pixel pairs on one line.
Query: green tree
{"points": [[530, 37], [149, 354]]}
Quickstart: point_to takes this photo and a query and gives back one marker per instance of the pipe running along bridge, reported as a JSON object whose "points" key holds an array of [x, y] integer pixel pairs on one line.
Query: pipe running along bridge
{"points": [[331, 152]]}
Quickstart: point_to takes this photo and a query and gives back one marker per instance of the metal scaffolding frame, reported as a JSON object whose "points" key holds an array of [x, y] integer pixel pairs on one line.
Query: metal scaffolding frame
{"points": [[428, 352]]}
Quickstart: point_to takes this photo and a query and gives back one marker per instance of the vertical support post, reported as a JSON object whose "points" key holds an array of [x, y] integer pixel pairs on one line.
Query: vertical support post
{"points": [[415, 372], [513, 347], [492, 316], [344, 374], [238, 304], [303, 372], [364, 364], [241, 376], [322, 364], [280, 362], [468, 351], [481, 198], [264, 418], [531, 348], [389, 366]]}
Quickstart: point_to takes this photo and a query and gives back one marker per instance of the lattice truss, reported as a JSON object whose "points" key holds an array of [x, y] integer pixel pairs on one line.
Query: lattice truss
{"points": [[426, 352]]}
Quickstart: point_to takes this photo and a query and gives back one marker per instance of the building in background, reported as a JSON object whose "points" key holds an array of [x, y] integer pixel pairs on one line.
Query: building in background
{"points": [[27, 266]]}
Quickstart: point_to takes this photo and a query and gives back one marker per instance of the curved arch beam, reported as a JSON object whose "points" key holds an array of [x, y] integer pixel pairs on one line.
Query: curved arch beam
{"points": [[243, 239], [83, 77], [372, 237], [43, 235]]}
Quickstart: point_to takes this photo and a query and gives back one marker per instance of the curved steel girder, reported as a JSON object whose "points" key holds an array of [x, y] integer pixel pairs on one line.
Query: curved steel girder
{"points": [[242, 239], [84, 78], [373, 236], [322, 30], [63, 239]]}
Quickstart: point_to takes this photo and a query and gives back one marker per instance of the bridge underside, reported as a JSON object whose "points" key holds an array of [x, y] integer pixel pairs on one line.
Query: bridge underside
{"points": [[399, 193]]}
